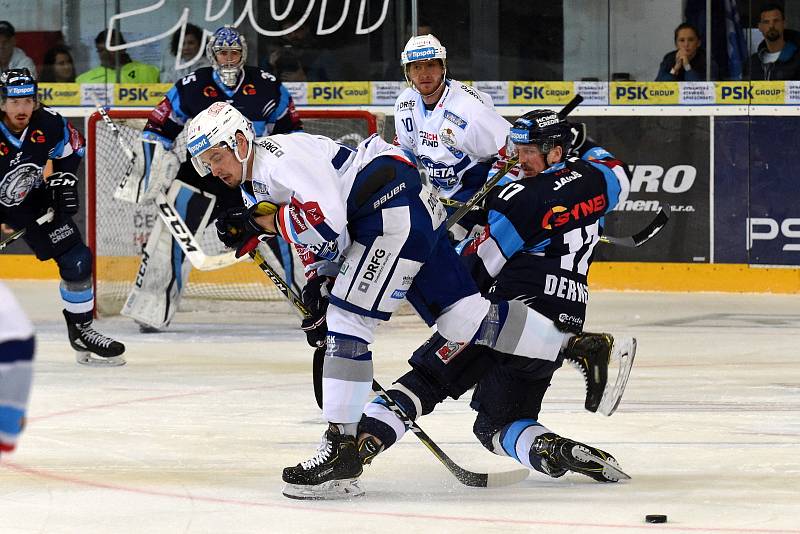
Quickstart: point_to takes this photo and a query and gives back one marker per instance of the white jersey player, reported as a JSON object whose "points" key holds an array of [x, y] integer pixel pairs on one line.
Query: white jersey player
{"points": [[369, 211], [16, 368], [450, 127]]}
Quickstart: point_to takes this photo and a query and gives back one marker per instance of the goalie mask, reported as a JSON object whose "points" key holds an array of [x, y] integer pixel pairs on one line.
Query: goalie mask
{"points": [[422, 48], [227, 38], [214, 128], [540, 127], [18, 83]]}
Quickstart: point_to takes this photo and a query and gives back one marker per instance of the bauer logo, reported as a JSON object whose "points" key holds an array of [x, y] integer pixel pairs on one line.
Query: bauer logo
{"points": [[338, 93], [198, 145], [635, 93]]}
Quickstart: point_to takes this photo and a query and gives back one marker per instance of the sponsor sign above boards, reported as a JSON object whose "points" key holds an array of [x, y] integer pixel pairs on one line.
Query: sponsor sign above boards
{"points": [[769, 93]]}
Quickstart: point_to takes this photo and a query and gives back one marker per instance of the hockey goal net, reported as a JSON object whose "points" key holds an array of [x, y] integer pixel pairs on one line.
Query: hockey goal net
{"points": [[117, 230]]}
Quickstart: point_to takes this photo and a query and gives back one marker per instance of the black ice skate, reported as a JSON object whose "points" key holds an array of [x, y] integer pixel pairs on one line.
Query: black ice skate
{"points": [[592, 354], [331, 474], [368, 449], [92, 347], [562, 453]]}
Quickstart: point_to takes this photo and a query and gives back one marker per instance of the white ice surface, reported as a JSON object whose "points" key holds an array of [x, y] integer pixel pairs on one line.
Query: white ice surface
{"points": [[192, 435]]}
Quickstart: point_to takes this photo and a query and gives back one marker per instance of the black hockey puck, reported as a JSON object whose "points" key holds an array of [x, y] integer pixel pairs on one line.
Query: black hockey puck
{"points": [[655, 518]]}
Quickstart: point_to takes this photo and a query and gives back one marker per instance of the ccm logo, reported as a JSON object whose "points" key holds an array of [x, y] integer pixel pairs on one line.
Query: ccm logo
{"points": [[766, 229]]}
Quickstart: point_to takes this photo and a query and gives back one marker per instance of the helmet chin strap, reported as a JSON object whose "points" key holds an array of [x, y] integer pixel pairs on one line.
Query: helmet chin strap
{"points": [[243, 161]]}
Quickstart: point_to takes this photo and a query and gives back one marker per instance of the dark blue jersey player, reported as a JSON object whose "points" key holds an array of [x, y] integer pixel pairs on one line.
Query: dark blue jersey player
{"points": [[536, 248], [264, 102], [30, 135]]}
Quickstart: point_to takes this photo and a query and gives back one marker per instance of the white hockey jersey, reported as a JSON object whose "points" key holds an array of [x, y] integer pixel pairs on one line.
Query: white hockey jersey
{"points": [[453, 139], [311, 176]]}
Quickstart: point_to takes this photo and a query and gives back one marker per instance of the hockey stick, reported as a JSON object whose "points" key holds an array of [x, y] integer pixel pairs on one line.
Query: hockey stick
{"points": [[468, 478], [509, 164], [127, 189], [645, 234], [186, 240], [47, 217]]}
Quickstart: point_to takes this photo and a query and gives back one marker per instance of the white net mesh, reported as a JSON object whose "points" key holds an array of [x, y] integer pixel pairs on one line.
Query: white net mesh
{"points": [[118, 230]]}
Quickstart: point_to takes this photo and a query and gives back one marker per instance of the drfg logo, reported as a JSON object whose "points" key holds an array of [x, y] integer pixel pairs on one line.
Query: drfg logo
{"points": [[767, 229]]}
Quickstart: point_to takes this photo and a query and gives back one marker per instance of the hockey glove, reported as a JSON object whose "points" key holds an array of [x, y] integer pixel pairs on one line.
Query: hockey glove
{"points": [[237, 227], [63, 188], [316, 294]]}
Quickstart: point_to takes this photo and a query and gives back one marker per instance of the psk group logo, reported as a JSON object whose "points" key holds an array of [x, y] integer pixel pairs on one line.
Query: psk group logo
{"points": [[540, 92], [60, 94], [140, 94], [641, 93], [350, 93], [766, 92]]}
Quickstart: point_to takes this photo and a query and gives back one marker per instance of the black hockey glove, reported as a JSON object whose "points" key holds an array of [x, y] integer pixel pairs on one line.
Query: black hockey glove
{"points": [[63, 188], [237, 228], [315, 299]]}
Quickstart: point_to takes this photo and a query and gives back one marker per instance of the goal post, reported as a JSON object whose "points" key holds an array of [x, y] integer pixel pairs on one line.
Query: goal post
{"points": [[116, 231]]}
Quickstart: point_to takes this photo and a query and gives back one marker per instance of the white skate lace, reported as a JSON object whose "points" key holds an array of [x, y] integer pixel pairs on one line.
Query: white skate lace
{"points": [[92, 336], [323, 452]]}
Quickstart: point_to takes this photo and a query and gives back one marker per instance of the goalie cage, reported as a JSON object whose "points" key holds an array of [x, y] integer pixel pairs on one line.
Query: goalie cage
{"points": [[117, 231]]}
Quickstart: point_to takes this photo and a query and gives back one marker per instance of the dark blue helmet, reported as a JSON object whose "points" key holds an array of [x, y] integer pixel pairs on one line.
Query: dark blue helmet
{"points": [[17, 83], [543, 128], [227, 38]]}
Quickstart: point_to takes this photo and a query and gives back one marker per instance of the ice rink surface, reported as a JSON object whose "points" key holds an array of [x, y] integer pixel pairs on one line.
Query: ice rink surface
{"points": [[191, 436]]}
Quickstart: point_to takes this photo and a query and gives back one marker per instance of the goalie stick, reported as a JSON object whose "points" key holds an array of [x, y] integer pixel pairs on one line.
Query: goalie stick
{"points": [[127, 189], [509, 164], [466, 477], [47, 217]]}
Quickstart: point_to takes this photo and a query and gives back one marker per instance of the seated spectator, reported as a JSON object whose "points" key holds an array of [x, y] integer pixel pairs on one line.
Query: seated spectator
{"points": [[12, 57], [130, 71], [687, 63], [778, 56], [192, 42], [58, 66], [286, 65], [319, 64]]}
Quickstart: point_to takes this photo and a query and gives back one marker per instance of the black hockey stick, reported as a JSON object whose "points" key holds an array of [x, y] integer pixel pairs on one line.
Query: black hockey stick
{"points": [[468, 478], [509, 164], [645, 234], [47, 217]]}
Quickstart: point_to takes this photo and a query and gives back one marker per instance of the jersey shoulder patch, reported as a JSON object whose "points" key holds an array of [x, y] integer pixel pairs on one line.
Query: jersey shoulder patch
{"points": [[455, 119]]}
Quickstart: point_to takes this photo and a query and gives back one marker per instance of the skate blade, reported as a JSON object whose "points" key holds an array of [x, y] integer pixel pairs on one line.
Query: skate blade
{"points": [[327, 491], [93, 360], [623, 352], [611, 471]]}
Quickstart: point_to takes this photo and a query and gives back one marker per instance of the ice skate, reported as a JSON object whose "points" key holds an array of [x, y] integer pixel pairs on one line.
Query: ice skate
{"points": [[563, 453], [331, 474], [93, 348]]}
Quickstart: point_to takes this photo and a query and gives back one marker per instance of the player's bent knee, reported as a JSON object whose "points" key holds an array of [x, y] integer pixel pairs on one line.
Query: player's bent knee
{"points": [[460, 322], [75, 265]]}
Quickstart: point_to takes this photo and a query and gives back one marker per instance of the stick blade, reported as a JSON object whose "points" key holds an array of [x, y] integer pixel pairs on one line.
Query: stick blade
{"points": [[506, 478]]}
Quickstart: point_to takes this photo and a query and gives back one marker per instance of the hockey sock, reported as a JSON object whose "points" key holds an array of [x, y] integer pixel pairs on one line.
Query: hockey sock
{"points": [[346, 378], [78, 299], [516, 440]]}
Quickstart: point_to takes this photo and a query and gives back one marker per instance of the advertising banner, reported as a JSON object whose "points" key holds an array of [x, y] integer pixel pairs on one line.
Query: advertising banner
{"points": [[338, 93], [540, 93], [60, 94], [668, 159], [645, 93], [756, 196]]}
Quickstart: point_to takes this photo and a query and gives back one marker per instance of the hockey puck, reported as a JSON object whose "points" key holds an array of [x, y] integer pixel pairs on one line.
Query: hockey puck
{"points": [[655, 518]]}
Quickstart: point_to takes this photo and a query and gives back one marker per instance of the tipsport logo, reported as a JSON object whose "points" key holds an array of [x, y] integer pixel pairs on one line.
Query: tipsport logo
{"points": [[198, 145], [421, 53]]}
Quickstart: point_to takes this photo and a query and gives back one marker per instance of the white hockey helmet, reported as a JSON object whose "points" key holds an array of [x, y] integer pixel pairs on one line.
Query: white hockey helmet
{"points": [[214, 126], [422, 48], [227, 38]]}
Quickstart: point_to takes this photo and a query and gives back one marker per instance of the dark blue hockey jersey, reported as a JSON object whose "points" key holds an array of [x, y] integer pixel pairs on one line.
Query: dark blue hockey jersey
{"points": [[23, 157], [539, 241], [262, 99]]}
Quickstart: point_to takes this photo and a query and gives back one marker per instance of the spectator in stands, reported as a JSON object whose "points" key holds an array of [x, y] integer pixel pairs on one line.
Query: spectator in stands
{"points": [[687, 63], [192, 43], [130, 71], [778, 55], [318, 62], [12, 57], [58, 66], [287, 66]]}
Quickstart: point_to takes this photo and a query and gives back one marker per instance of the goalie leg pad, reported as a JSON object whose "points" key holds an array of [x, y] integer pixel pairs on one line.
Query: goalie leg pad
{"points": [[160, 168]]}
